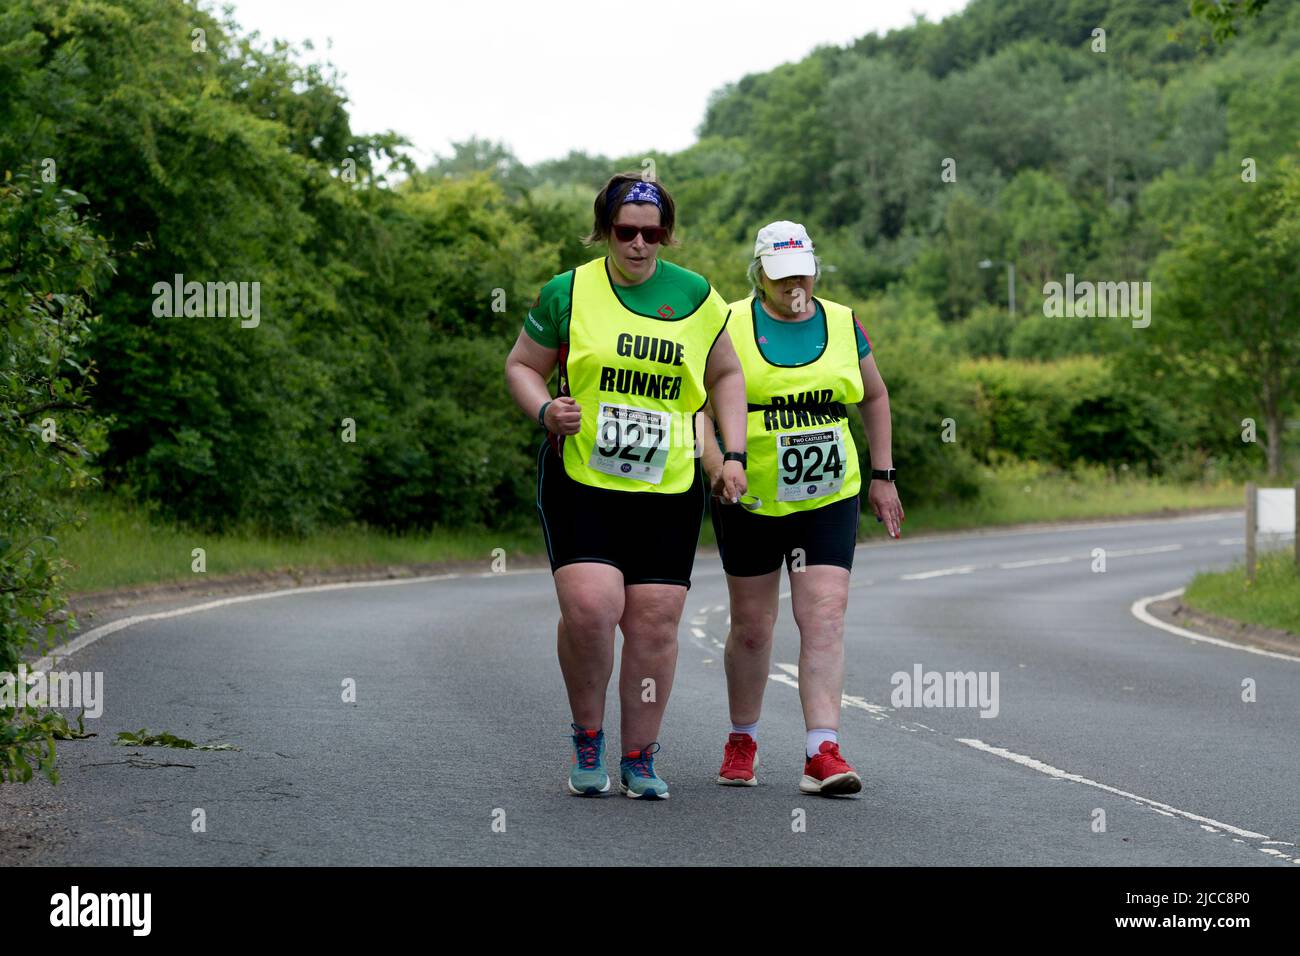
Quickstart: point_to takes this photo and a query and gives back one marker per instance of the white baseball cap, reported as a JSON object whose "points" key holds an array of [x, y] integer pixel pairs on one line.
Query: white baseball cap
{"points": [[785, 249]]}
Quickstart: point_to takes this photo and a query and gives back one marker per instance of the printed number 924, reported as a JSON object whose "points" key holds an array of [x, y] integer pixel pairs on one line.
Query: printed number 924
{"points": [[799, 465]]}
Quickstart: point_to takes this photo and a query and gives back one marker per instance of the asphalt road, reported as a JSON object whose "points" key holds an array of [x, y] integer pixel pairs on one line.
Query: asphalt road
{"points": [[460, 722]]}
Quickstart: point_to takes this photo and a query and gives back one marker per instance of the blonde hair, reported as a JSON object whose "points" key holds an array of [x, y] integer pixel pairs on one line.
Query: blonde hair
{"points": [[756, 282]]}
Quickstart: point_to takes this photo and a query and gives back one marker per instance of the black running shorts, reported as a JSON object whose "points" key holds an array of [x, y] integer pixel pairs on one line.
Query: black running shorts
{"points": [[650, 537], [753, 544]]}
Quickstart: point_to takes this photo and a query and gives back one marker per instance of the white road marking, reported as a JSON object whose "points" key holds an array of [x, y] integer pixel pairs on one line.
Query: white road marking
{"points": [[1156, 805], [697, 632], [964, 569], [1271, 852], [1208, 824], [791, 675], [1132, 551], [113, 627], [1139, 611], [784, 679], [1231, 541], [1034, 563], [876, 711], [1074, 526]]}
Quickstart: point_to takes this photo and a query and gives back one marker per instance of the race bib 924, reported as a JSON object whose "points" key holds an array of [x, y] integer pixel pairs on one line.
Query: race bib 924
{"points": [[810, 464]]}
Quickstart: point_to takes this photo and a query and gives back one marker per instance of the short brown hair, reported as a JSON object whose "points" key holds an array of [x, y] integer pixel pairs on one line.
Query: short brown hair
{"points": [[617, 187]]}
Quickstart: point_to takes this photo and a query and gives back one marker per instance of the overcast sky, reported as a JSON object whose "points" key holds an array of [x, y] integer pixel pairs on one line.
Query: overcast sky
{"points": [[548, 77]]}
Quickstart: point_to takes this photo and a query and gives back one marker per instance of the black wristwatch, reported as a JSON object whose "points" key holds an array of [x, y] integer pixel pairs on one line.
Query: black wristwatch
{"points": [[883, 474], [739, 456]]}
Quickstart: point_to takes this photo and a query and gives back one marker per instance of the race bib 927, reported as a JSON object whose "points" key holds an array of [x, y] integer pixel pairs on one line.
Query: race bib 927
{"points": [[631, 442]]}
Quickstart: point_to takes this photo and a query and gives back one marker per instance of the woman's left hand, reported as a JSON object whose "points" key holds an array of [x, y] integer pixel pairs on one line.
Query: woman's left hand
{"points": [[883, 497], [734, 482]]}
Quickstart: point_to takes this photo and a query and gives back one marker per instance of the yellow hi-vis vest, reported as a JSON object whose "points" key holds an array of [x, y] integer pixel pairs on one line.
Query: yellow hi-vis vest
{"points": [[800, 451], [639, 381]]}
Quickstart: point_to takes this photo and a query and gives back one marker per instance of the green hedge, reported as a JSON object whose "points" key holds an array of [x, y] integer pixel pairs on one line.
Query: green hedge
{"points": [[1068, 411]]}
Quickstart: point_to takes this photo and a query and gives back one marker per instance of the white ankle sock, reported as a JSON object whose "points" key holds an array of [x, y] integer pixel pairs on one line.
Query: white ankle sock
{"points": [[751, 729], [815, 738]]}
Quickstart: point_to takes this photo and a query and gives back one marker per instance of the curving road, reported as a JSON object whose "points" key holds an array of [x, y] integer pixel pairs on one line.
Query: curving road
{"points": [[459, 722]]}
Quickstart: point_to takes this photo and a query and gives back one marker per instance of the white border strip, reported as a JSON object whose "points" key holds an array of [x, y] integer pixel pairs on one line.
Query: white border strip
{"points": [[1139, 611], [1080, 525], [95, 633], [941, 573], [1156, 805]]}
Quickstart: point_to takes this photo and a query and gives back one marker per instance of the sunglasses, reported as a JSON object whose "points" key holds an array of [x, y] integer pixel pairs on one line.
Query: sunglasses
{"points": [[653, 235]]}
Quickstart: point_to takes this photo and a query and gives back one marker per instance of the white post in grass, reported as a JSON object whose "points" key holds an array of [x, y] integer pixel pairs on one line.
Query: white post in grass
{"points": [[1250, 531], [1270, 512]]}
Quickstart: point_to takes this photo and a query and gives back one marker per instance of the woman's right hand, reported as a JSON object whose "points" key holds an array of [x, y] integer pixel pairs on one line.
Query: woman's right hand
{"points": [[563, 416]]}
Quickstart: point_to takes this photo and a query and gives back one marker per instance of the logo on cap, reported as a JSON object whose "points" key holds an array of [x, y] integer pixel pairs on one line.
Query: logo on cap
{"points": [[788, 244]]}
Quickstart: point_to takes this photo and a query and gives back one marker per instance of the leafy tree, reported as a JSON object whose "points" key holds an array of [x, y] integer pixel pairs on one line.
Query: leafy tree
{"points": [[948, 268], [1224, 16], [1225, 328], [888, 165], [987, 332], [1045, 227], [575, 169], [51, 261], [476, 155]]}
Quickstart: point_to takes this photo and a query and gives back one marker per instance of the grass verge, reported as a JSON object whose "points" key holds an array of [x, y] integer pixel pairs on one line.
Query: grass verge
{"points": [[124, 547], [1026, 492], [1273, 600], [120, 546]]}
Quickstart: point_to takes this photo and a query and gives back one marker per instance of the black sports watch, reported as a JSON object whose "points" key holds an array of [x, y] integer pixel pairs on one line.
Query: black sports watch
{"points": [[883, 474], [739, 456]]}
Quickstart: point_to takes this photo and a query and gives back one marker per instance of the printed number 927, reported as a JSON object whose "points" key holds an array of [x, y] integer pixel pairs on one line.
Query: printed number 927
{"points": [[624, 439]]}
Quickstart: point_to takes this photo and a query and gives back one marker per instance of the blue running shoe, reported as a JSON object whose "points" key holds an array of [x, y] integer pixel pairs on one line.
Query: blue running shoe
{"points": [[587, 777], [637, 777]]}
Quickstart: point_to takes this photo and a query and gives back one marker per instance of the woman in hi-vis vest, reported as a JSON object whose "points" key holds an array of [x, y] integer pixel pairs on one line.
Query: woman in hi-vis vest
{"points": [[639, 347], [807, 362]]}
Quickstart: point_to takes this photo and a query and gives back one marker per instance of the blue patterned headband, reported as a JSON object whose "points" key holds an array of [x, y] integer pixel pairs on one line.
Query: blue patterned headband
{"points": [[640, 192]]}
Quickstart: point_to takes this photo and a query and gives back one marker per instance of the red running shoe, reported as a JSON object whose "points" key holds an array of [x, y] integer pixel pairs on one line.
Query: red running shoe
{"points": [[828, 773], [739, 758]]}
